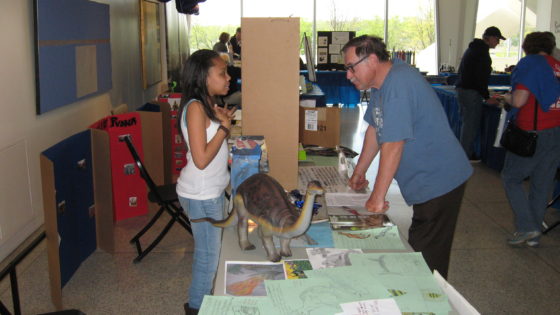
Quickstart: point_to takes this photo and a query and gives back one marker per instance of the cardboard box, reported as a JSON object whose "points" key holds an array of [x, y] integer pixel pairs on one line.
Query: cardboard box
{"points": [[319, 126]]}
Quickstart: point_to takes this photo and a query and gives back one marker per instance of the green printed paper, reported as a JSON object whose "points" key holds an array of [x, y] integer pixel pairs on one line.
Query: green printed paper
{"points": [[228, 305], [386, 238], [356, 280], [307, 296], [407, 278]]}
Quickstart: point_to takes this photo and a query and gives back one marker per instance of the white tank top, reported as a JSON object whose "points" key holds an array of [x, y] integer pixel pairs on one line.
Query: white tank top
{"points": [[194, 183]]}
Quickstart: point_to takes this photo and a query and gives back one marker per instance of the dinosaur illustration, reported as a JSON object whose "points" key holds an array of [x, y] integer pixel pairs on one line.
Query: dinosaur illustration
{"points": [[262, 199]]}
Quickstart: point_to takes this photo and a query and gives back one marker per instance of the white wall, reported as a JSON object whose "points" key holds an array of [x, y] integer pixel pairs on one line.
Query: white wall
{"points": [[24, 135]]}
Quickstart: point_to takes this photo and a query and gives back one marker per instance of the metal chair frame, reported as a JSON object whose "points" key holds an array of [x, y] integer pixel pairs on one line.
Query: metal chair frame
{"points": [[169, 205]]}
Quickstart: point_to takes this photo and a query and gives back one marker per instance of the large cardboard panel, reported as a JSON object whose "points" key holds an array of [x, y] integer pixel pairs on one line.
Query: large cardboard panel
{"points": [[270, 71], [167, 129], [103, 188], [51, 229], [164, 109], [319, 126], [152, 143]]}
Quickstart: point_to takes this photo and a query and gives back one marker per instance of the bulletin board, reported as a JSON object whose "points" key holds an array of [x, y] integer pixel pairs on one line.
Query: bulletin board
{"points": [[72, 51], [329, 45]]}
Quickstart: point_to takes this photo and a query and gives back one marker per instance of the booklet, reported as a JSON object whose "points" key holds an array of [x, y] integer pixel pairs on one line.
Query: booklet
{"points": [[359, 222]]}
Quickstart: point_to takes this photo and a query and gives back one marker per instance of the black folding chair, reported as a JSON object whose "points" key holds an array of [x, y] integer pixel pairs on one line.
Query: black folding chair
{"points": [[547, 228], [165, 196]]}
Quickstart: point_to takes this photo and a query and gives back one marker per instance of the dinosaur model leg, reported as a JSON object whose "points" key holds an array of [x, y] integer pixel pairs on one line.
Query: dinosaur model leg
{"points": [[285, 247], [242, 224], [309, 239], [268, 243]]}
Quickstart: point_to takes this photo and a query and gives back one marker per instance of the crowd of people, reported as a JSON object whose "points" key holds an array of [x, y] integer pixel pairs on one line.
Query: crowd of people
{"points": [[407, 128]]}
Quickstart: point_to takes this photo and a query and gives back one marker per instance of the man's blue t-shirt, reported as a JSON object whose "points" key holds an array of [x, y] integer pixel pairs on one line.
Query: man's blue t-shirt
{"points": [[406, 108]]}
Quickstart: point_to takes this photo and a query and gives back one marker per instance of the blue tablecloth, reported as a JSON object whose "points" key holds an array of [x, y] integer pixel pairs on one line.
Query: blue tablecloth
{"points": [[336, 87], [484, 144], [448, 98], [495, 79]]}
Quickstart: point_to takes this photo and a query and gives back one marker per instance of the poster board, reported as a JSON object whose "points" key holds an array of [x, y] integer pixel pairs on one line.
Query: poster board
{"points": [[72, 51], [270, 91], [329, 45]]}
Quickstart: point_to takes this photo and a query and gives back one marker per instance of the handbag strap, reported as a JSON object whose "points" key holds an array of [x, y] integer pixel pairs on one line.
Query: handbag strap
{"points": [[536, 110]]}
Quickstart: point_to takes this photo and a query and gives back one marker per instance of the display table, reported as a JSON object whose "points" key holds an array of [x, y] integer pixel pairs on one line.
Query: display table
{"points": [[337, 88], [495, 79], [232, 252], [484, 144]]}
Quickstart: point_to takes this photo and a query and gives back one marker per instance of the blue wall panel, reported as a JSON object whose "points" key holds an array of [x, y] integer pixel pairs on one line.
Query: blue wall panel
{"points": [[63, 25]]}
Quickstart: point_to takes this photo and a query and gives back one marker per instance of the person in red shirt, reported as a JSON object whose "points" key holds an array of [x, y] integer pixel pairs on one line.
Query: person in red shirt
{"points": [[529, 209]]}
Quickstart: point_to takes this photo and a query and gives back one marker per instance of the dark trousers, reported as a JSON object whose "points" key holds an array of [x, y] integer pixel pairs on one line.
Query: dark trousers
{"points": [[433, 226]]}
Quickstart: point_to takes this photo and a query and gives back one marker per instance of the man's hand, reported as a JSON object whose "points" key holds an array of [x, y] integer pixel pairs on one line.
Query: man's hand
{"points": [[358, 181], [377, 205]]}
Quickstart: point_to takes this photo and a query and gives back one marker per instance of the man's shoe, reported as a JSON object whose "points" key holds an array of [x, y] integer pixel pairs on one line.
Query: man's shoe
{"points": [[189, 310], [521, 237]]}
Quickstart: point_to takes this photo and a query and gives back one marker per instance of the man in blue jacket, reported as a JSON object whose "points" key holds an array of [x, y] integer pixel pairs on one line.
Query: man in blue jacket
{"points": [[472, 85]]}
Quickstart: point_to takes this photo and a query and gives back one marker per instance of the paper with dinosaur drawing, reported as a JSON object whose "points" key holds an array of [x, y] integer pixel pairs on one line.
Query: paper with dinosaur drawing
{"points": [[407, 278], [386, 238], [329, 257], [247, 278], [229, 305]]}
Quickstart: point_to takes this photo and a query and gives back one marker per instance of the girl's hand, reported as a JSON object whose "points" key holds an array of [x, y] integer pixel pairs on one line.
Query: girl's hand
{"points": [[224, 115]]}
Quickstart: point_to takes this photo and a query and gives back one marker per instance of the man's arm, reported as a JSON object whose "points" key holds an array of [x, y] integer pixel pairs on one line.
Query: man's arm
{"points": [[390, 159], [369, 151]]}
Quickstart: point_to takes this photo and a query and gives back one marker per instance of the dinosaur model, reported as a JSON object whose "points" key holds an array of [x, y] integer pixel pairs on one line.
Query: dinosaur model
{"points": [[262, 199]]}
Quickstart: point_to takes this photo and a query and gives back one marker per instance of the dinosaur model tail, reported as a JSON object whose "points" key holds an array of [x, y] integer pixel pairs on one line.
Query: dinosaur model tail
{"points": [[219, 223]]}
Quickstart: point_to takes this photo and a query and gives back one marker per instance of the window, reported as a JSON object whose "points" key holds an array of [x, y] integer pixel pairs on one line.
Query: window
{"points": [[505, 15], [215, 17], [362, 16], [411, 26]]}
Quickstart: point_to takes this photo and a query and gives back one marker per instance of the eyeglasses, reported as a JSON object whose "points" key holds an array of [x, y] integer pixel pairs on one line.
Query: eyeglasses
{"points": [[351, 66]]}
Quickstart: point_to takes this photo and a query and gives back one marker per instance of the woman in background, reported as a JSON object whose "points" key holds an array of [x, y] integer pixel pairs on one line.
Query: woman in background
{"points": [[535, 78], [201, 184]]}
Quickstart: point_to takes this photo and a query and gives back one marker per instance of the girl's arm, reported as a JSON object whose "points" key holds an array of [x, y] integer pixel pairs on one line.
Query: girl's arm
{"points": [[203, 153]]}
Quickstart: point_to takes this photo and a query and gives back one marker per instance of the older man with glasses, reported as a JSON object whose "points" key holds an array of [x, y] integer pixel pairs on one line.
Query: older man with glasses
{"points": [[408, 127]]}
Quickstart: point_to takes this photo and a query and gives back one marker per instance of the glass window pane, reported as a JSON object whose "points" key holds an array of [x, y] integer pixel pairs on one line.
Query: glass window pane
{"points": [[505, 15], [362, 16], [411, 28], [215, 17]]}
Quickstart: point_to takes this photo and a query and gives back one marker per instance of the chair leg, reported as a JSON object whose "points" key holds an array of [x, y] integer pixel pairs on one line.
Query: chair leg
{"points": [[155, 242], [177, 215], [147, 226], [551, 227]]}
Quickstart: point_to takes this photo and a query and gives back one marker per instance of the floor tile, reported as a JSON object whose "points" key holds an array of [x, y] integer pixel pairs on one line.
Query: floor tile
{"points": [[505, 281]]}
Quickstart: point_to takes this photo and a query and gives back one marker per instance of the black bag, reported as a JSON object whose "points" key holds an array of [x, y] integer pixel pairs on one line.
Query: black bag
{"points": [[519, 141]]}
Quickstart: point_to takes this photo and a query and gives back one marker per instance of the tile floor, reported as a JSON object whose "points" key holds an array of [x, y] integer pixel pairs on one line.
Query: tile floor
{"points": [[495, 278]]}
